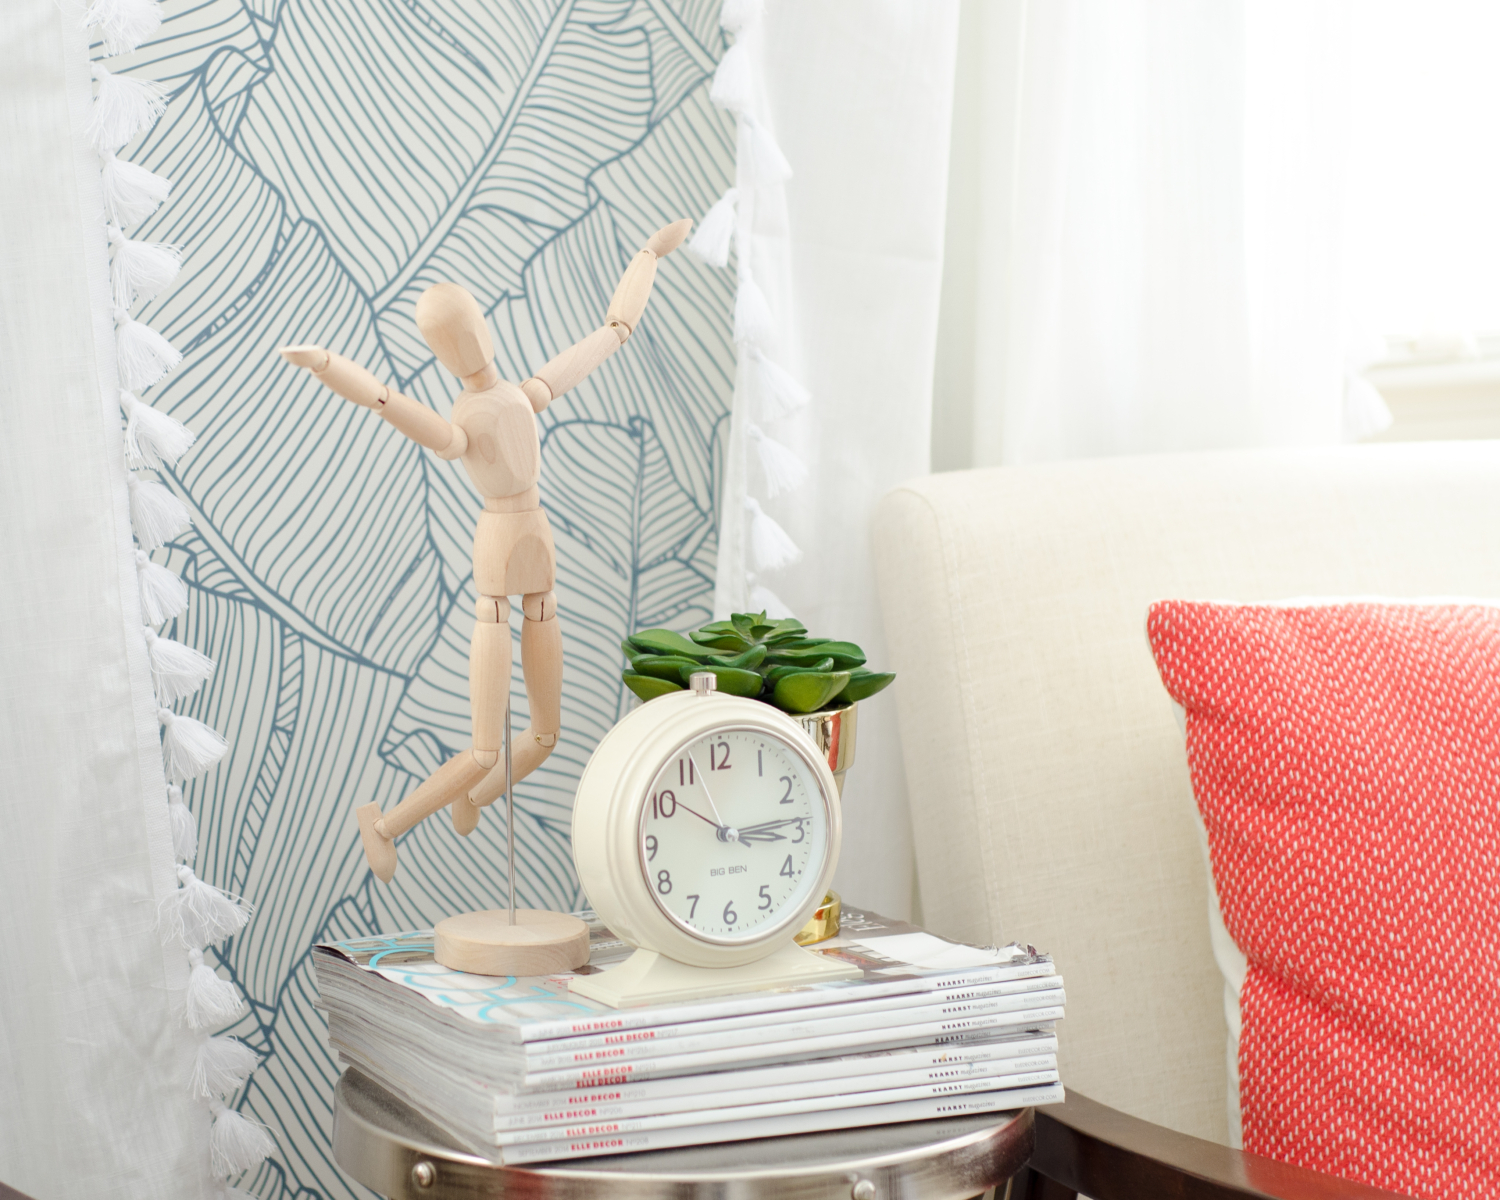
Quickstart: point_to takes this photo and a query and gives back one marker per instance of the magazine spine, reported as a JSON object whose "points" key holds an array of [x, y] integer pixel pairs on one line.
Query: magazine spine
{"points": [[1005, 1055], [733, 1105], [941, 1034], [731, 1131], [615, 1021], [936, 1018]]}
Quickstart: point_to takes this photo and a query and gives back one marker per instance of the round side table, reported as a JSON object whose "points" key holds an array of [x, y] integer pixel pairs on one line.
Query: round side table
{"points": [[389, 1147]]}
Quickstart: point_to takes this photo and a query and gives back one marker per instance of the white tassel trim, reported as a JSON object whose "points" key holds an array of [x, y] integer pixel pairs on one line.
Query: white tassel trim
{"points": [[123, 108], [784, 470], [158, 516], [753, 322], [763, 599], [177, 670], [211, 1002], [222, 1066], [778, 392], [731, 88], [163, 594], [131, 193], [184, 825], [199, 914], [143, 355], [139, 270], [152, 438], [770, 545], [189, 747], [235, 1142], [123, 24], [737, 15], [768, 165], [715, 233]]}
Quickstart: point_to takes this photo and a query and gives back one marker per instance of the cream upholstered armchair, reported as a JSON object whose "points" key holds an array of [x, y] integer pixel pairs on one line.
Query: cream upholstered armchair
{"points": [[1050, 799]]}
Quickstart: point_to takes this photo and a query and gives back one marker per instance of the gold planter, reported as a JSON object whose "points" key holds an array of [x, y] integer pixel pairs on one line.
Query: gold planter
{"points": [[834, 733]]}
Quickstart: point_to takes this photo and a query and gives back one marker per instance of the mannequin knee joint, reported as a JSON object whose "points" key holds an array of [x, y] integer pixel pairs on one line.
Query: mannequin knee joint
{"points": [[540, 606], [492, 610]]}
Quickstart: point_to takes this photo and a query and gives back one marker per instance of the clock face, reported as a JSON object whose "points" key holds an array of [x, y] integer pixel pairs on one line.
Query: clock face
{"points": [[733, 835]]}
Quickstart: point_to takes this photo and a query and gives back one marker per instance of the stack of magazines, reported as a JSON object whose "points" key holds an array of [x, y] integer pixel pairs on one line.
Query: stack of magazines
{"points": [[520, 1070]]}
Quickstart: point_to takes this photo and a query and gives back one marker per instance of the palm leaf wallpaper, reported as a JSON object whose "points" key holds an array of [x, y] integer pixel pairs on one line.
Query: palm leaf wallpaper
{"points": [[330, 160]]}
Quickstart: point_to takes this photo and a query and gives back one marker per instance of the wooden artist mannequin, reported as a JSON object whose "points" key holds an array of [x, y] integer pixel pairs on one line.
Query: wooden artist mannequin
{"points": [[494, 431]]}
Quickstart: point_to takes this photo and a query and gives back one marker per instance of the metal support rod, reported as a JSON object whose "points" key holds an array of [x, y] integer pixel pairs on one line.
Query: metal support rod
{"points": [[510, 820]]}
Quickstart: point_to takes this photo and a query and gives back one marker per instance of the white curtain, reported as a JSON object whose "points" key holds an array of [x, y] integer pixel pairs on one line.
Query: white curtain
{"points": [[858, 95], [1145, 248], [94, 1062]]}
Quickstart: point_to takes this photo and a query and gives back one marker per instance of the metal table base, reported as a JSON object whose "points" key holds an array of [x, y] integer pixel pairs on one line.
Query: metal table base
{"points": [[387, 1146]]}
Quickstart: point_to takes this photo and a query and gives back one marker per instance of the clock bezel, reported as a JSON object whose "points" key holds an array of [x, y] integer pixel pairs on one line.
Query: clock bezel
{"points": [[805, 750], [614, 788]]}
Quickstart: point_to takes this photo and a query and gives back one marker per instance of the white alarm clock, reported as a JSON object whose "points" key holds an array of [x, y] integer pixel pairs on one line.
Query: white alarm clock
{"points": [[705, 831]]}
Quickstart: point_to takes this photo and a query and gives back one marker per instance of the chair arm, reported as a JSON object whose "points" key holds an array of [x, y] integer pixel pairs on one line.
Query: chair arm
{"points": [[1084, 1146]]}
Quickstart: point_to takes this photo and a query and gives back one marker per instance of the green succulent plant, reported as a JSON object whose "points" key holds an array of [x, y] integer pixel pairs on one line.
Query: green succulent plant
{"points": [[752, 655]]}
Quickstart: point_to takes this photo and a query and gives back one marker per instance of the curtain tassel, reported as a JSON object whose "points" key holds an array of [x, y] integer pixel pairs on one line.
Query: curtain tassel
{"points": [[123, 107], [211, 1002], [763, 599], [779, 393], [769, 543], [715, 232], [738, 15], [131, 193], [177, 670], [784, 470], [731, 88], [190, 747], [222, 1066], [235, 1142], [184, 825], [158, 516], [163, 594], [123, 24], [768, 165], [152, 439], [144, 355], [140, 270], [753, 322], [199, 914]]}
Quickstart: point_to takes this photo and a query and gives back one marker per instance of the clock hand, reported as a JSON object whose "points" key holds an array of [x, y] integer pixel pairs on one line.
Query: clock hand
{"points": [[727, 833], [699, 815], [765, 831]]}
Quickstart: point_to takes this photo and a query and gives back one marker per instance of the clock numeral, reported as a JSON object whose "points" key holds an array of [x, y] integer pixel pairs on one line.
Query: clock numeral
{"points": [[664, 881], [786, 868], [685, 773], [650, 848], [664, 804], [801, 831], [730, 916], [715, 763], [765, 895], [787, 799], [694, 907]]}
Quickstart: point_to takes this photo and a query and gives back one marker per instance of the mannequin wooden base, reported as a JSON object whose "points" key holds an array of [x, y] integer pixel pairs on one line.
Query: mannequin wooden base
{"points": [[486, 943]]}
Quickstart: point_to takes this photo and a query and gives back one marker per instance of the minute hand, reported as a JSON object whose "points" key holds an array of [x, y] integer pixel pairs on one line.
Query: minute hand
{"points": [[765, 831]]}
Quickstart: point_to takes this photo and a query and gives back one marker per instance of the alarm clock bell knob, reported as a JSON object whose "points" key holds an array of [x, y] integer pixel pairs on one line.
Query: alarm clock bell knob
{"points": [[704, 683]]}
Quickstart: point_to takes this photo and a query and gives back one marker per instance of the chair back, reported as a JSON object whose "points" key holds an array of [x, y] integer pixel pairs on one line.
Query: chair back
{"points": [[1048, 782]]}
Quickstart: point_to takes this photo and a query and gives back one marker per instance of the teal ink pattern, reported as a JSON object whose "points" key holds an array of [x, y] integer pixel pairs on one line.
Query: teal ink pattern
{"points": [[330, 159]]}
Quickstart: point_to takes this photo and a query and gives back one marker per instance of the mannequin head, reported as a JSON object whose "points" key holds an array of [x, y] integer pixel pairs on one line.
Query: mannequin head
{"points": [[455, 329]]}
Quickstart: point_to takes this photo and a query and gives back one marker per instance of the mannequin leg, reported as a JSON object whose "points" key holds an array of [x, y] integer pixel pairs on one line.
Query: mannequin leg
{"points": [[489, 695], [542, 663], [379, 832]]}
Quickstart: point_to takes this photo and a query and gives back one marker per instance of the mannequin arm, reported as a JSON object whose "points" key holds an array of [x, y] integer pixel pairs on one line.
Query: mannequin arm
{"points": [[353, 382], [575, 363]]}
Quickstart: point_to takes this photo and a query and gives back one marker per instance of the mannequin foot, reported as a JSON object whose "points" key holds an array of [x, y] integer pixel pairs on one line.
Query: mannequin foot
{"points": [[380, 851], [528, 756], [465, 816]]}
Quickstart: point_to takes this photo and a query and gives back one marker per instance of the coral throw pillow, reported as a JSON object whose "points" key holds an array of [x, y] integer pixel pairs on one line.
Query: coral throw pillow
{"points": [[1346, 760]]}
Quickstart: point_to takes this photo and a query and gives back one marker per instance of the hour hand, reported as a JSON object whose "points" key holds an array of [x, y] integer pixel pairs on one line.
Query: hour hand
{"points": [[766, 830]]}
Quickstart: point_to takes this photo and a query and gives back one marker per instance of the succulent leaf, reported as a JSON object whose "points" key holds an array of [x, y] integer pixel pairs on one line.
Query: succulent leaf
{"points": [[663, 666], [664, 641], [648, 687], [776, 674], [808, 691], [732, 680], [864, 684]]}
